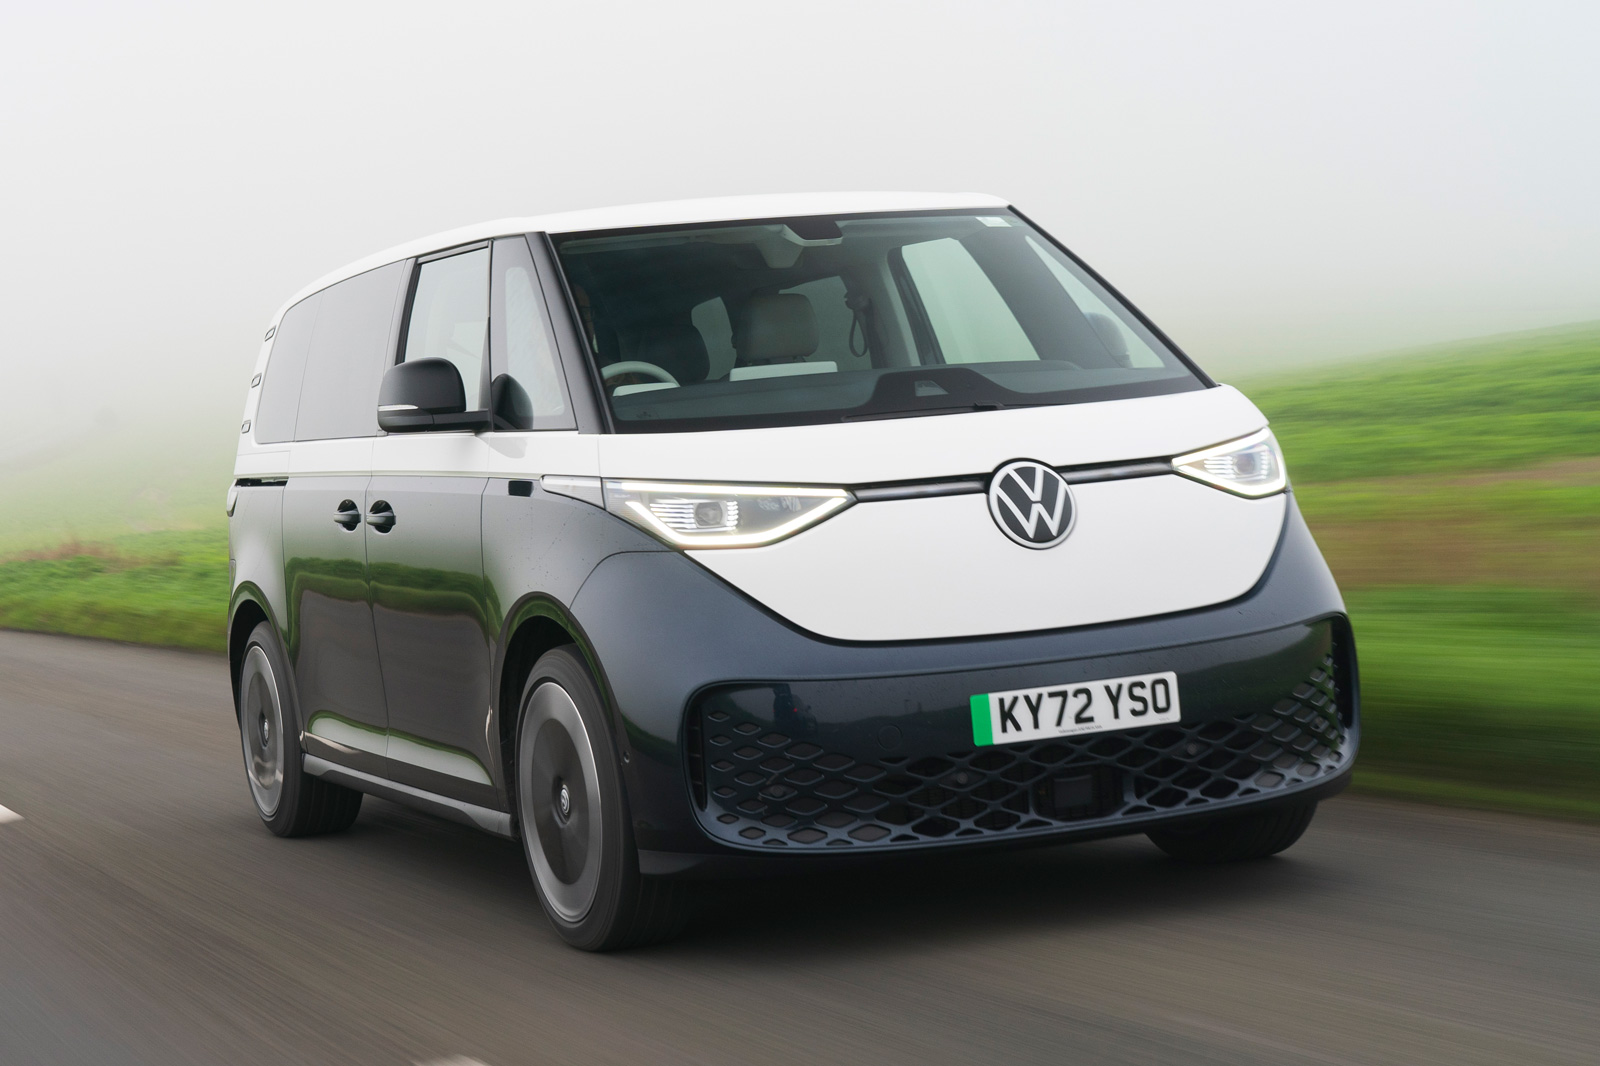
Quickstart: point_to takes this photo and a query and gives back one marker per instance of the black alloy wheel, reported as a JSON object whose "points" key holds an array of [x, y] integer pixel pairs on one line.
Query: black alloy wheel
{"points": [[290, 801], [574, 819]]}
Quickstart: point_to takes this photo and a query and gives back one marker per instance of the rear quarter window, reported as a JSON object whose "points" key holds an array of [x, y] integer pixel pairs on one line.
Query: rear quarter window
{"points": [[350, 349], [286, 369]]}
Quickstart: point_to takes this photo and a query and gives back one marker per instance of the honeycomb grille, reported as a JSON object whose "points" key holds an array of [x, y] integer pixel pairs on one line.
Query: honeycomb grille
{"points": [[758, 786]]}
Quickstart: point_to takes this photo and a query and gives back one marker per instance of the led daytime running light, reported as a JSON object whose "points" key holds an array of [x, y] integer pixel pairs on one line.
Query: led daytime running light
{"points": [[667, 510], [1228, 466]]}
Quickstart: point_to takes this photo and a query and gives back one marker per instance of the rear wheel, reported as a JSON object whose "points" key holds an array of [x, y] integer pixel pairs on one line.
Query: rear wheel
{"points": [[1234, 838], [290, 801], [576, 829]]}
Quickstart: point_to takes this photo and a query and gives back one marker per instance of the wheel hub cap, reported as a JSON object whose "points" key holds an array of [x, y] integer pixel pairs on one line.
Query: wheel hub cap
{"points": [[261, 729], [558, 801]]}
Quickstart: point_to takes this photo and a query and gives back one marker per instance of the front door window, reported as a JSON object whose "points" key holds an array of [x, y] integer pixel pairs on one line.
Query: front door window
{"points": [[450, 318]]}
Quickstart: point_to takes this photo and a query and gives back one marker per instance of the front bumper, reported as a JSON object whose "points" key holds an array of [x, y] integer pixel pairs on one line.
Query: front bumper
{"points": [[890, 763], [864, 748]]}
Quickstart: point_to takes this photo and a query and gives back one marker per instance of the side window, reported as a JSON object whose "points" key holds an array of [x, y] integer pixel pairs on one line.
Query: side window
{"points": [[711, 319], [450, 317], [529, 391], [349, 353], [968, 315], [286, 369]]}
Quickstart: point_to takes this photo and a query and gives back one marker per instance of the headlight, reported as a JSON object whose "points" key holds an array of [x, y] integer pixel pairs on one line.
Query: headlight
{"points": [[1249, 466], [721, 516]]}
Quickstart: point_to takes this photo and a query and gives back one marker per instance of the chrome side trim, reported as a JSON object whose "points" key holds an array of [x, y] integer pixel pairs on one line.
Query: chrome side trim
{"points": [[496, 822], [441, 760], [586, 489], [350, 736]]}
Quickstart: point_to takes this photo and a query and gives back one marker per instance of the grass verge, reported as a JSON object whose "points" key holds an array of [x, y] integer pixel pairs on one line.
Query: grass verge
{"points": [[1474, 797], [1496, 404], [1481, 690], [150, 588]]}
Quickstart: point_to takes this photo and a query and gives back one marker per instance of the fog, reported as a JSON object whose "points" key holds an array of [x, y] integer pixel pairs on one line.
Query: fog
{"points": [[1275, 184]]}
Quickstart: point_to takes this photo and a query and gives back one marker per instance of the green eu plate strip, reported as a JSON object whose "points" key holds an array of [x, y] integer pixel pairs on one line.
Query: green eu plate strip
{"points": [[982, 730]]}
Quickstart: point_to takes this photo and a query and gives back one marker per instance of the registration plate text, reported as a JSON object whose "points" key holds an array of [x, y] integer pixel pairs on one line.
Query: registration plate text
{"points": [[1076, 708]]}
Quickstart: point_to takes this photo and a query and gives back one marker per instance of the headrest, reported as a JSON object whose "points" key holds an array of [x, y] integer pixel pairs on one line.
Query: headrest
{"points": [[776, 328], [676, 348], [1111, 336]]}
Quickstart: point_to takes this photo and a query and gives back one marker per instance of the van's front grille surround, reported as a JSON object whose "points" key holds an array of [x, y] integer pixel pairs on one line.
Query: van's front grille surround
{"points": [[757, 786], [977, 483]]}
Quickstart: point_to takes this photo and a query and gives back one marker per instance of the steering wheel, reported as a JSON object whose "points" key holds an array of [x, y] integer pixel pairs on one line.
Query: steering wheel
{"points": [[637, 366]]}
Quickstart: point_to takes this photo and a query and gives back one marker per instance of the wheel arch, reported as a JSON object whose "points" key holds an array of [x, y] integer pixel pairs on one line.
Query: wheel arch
{"points": [[249, 609], [538, 624]]}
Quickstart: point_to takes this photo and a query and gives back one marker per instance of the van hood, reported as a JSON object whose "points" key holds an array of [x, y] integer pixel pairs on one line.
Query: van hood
{"points": [[940, 568]]}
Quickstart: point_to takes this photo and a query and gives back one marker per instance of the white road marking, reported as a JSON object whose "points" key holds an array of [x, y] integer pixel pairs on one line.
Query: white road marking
{"points": [[9, 815], [459, 1060]]}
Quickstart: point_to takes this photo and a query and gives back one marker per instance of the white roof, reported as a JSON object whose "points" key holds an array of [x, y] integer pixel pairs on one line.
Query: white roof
{"points": [[667, 213]]}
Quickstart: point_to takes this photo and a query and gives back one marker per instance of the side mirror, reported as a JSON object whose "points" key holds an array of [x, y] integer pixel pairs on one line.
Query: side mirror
{"points": [[425, 394], [510, 404]]}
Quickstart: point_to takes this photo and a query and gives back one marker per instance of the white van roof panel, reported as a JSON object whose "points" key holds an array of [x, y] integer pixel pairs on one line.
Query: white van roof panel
{"points": [[666, 213]]}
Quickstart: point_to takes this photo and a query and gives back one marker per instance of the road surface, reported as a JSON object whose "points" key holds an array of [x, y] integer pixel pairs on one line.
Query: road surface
{"points": [[146, 917]]}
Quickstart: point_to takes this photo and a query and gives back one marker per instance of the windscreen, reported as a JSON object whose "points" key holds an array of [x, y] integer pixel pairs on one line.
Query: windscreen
{"points": [[810, 320]]}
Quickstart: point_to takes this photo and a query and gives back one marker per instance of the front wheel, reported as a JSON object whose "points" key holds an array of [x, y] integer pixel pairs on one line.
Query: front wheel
{"points": [[574, 816], [290, 801], [1237, 837]]}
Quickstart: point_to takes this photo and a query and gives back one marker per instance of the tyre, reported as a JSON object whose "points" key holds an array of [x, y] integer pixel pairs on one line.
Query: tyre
{"points": [[1234, 838], [290, 801], [576, 830]]}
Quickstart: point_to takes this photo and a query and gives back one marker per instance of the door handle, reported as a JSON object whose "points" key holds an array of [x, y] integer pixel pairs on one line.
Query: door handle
{"points": [[348, 515], [380, 516]]}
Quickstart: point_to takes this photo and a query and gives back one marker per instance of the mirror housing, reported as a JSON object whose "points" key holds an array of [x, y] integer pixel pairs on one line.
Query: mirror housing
{"points": [[510, 404], [425, 394]]}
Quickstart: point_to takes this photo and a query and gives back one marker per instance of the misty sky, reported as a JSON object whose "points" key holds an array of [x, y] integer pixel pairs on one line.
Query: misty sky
{"points": [[1273, 183]]}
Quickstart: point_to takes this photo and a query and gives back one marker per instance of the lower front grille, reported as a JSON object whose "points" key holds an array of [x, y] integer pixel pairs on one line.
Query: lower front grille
{"points": [[761, 785]]}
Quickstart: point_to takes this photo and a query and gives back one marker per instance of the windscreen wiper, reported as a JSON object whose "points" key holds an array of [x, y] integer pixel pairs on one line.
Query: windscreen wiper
{"points": [[917, 412]]}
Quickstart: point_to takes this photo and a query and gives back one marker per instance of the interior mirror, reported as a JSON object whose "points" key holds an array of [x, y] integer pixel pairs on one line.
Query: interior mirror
{"points": [[425, 394]]}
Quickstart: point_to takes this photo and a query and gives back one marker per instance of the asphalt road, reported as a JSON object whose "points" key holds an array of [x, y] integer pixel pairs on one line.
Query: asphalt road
{"points": [[146, 917]]}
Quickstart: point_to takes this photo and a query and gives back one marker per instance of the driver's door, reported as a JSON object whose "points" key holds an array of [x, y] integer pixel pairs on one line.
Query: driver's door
{"points": [[423, 509]]}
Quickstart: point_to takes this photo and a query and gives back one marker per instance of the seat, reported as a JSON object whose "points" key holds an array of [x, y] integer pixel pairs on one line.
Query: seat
{"points": [[775, 328], [677, 348]]}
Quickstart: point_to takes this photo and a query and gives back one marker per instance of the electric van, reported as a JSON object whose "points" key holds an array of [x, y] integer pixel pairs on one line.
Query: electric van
{"points": [[746, 535]]}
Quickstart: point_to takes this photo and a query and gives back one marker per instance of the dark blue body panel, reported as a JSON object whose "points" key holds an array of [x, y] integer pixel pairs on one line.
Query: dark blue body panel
{"points": [[664, 630], [677, 650]]}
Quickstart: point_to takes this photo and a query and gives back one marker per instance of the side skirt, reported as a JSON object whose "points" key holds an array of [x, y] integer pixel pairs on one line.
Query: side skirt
{"points": [[496, 822]]}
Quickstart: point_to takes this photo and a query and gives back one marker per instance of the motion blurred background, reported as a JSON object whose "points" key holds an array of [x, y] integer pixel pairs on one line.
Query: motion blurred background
{"points": [[1378, 218]]}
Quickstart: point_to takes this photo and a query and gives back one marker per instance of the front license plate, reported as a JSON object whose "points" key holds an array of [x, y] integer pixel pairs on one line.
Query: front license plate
{"points": [[1069, 710]]}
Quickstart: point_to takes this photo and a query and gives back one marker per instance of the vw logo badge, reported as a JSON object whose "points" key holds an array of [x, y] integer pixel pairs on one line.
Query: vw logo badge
{"points": [[1031, 503]]}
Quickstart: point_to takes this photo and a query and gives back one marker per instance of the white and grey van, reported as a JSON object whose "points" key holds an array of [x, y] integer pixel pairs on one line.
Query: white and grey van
{"points": [[691, 539]]}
